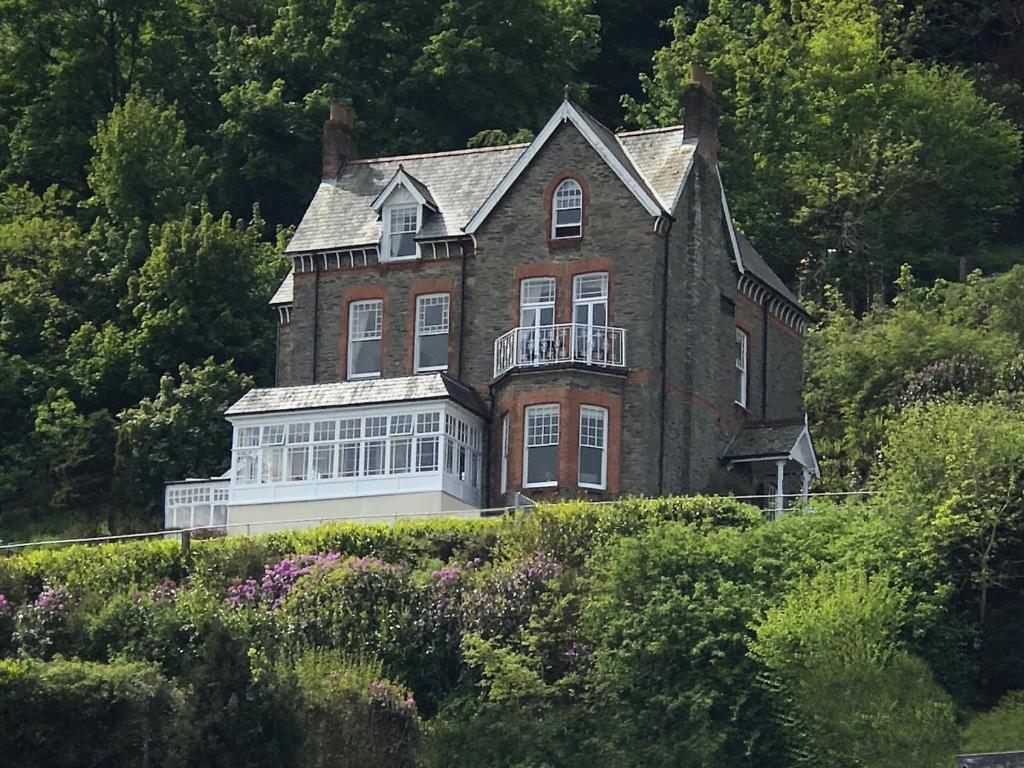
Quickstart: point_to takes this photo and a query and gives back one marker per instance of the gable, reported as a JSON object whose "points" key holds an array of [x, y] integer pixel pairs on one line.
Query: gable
{"points": [[604, 143]]}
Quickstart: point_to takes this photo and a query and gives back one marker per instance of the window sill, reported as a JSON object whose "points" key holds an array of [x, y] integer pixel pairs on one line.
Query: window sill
{"points": [[438, 369], [553, 484], [593, 487], [358, 376]]}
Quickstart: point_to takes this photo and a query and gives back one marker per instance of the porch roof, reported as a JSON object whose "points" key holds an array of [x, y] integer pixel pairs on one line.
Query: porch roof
{"points": [[342, 394], [763, 442]]}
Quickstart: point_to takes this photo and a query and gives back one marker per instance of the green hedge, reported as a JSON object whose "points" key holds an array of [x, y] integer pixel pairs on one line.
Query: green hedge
{"points": [[568, 531], [72, 713]]}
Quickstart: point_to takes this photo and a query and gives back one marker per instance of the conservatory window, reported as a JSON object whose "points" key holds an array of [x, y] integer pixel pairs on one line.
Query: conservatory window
{"points": [[540, 459], [567, 210]]}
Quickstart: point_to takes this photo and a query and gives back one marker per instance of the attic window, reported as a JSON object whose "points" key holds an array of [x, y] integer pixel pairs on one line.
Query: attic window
{"points": [[402, 225], [567, 211]]}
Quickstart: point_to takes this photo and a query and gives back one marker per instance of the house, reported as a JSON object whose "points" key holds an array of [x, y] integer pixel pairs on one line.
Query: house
{"points": [[573, 317]]}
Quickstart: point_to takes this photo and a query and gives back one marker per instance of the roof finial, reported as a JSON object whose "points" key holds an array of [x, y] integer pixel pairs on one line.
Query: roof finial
{"points": [[565, 92]]}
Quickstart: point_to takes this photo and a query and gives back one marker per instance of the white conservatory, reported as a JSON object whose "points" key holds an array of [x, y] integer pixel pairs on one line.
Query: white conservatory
{"points": [[368, 451]]}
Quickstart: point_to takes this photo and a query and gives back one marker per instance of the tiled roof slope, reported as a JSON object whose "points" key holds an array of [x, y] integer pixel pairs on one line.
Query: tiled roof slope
{"points": [[283, 294], [434, 386], [340, 215], [764, 441], [753, 261]]}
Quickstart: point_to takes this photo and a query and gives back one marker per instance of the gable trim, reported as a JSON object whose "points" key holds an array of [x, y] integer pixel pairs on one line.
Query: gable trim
{"points": [[407, 182], [729, 224], [567, 112]]}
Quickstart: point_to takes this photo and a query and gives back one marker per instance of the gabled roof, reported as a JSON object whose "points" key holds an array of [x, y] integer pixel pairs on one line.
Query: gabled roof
{"points": [[774, 441], [343, 394], [341, 214], [604, 142], [417, 188]]}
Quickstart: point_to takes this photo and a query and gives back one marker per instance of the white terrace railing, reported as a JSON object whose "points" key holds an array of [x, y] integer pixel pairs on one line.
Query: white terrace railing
{"points": [[530, 346]]}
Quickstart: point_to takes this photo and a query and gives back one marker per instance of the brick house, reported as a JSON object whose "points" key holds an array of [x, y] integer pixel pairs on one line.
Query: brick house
{"points": [[575, 317]]}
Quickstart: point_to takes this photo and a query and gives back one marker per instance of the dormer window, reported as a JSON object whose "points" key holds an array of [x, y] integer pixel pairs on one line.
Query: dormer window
{"points": [[402, 225], [402, 205], [567, 210]]}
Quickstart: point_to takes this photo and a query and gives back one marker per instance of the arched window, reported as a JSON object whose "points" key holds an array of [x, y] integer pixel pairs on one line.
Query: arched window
{"points": [[567, 210]]}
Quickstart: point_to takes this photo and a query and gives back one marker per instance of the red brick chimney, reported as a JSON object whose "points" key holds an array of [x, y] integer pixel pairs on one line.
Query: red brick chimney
{"points": [[339, 139], [700, 112]]}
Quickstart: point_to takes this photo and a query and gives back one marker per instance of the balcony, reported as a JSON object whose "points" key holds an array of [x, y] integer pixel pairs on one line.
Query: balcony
{"points": [[568, 343]]}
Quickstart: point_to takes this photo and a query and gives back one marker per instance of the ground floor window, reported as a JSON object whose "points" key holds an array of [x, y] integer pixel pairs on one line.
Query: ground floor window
{"points": [[197, 506], [540, 455], [593, 463]]}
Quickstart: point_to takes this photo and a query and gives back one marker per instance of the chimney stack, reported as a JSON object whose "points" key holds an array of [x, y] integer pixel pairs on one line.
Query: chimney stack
{"points": [[339, 139], [700, 112]]}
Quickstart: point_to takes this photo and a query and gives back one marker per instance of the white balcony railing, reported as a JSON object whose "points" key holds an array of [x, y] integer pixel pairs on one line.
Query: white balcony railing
{"points": [[526, 347]]}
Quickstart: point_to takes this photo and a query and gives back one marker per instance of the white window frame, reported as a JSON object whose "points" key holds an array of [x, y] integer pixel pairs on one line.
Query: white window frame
{"points": [[540, 411], [422, 330], [374, 334], [568, 196], [388, 233], [586, 440], [742, 366], [504, 453]]}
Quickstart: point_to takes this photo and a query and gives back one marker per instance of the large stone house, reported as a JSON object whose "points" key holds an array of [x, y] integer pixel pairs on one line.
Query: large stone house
{"points": [[573, 317]]}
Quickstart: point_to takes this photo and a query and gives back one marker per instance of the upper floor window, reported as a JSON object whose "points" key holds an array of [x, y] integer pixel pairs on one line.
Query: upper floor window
{"points": [[365, 321], [567, 210], [432, 332], [401, 225], [540, 449], [593, 464], [742, 344]]}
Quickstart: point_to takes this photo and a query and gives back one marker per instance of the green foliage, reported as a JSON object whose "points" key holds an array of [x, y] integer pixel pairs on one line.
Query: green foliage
{"points": [[143, 171], [350, 716], [53, 714], [842, 154], [844, 692], [1000, 729], [860, 371]]}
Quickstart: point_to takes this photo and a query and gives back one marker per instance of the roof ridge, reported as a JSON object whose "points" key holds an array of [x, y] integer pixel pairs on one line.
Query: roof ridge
{"points": [[641, 131], [442, 153]]}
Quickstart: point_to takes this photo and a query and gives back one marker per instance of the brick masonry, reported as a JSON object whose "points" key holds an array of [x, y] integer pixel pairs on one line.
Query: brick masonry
{"points": [[699, 415]]}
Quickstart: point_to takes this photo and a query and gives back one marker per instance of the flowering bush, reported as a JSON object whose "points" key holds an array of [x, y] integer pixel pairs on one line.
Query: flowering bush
{"points": [[40, 627], [499, 604], [278, 580]]}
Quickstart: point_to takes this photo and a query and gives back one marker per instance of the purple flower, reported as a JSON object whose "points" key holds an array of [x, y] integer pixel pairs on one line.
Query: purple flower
{"points": [[5, 605], [278, 580]]}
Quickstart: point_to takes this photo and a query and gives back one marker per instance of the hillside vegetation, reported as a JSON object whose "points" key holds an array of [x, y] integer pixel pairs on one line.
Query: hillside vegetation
{"points": [[665, 633]]}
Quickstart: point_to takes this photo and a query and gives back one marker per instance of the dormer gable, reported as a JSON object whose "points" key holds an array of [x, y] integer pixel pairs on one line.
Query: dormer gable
{"points": [[401, 207]]}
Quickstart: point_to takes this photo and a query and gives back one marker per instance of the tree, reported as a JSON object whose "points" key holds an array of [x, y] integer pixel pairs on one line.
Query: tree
{"points": [[181, 432], [957, 470], [668, 619], [845, 693], [838, 151], [203, 292], [143, 171]]}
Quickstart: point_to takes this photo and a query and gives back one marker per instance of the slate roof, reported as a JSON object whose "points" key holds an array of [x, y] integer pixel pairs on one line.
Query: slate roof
{"points": [[283, 294], [764, 441], [754, 262], [434, 386], [341, 216]]}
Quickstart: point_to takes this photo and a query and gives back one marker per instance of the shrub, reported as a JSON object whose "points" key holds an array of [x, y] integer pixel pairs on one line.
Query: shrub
{"points": [[72, 713], [350, 717], [1001, 728], [41, 627]]}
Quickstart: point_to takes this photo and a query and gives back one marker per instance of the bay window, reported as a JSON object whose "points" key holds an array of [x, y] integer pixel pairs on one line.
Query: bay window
{"points": [[593, 462], [540, 449]]}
